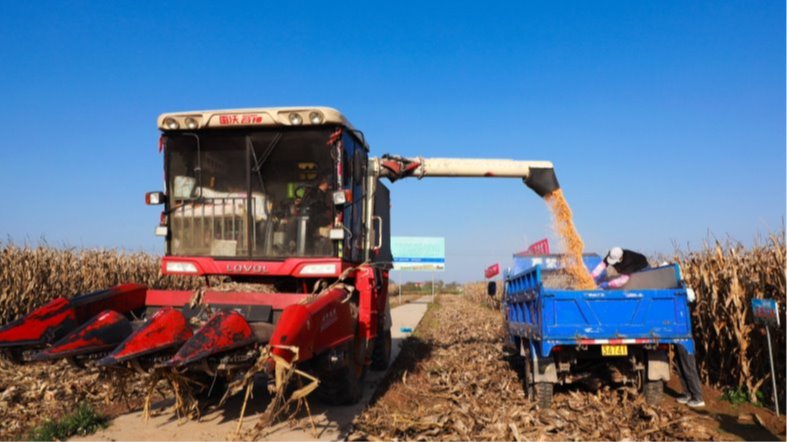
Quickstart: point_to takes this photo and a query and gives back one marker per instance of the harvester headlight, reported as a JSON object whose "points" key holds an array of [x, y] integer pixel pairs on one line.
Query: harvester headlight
{"points": [[315, 117], [319, 269], [296, 119], [171, 124], [191, 123], [181, 267], [154, 198]]}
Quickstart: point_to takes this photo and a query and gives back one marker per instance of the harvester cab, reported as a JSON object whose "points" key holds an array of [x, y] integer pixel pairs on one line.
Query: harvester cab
{"points": [[282, 214]]}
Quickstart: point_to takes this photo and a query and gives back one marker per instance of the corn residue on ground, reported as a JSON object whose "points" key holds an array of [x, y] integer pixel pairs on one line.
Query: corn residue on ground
{"points": [[453, 381], [32, 394]]}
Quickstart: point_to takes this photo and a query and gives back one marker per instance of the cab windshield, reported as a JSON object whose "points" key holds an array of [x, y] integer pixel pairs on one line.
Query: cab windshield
{"points": [[250, 194]]}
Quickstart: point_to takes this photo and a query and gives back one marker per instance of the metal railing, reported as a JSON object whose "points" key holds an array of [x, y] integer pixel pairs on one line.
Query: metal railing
{"points": [[212, 226]]}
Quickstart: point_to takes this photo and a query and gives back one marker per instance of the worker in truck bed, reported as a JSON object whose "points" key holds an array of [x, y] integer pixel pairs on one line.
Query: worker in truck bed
{"points": [[626, 262]]}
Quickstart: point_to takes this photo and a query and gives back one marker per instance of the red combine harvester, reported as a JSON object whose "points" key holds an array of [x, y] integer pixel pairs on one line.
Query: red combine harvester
{"points": [[283, 214]]}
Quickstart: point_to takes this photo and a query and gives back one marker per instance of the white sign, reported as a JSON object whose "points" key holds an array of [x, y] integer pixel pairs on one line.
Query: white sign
{"points": [[418, 253]]}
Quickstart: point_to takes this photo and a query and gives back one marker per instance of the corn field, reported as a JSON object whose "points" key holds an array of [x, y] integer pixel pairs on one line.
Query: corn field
{"points": [[731, 350], [29, 277]]}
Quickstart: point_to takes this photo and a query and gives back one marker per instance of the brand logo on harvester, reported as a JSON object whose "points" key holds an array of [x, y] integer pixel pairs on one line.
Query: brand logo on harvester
{"points": [[247, 268], [232, 119]]}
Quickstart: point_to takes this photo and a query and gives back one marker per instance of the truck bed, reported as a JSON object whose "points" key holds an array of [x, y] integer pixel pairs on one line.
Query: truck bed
{"points": [[552, 317]]}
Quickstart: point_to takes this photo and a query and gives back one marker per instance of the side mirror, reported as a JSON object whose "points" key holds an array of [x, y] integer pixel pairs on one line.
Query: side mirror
{"points": [[491, 288], [154, 198], [342, 197]]}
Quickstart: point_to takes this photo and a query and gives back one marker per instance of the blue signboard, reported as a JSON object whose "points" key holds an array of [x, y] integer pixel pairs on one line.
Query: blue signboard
{"points": [[766, 311], [418, 253]]}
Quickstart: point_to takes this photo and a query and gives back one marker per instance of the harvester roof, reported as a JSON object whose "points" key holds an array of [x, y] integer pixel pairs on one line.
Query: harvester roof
{"points": [[268, 116]]}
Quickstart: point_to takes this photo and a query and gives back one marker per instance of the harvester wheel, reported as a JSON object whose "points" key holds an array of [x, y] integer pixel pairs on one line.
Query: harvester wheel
{"points": [[381, 353], [653, 391], [344, 385]]}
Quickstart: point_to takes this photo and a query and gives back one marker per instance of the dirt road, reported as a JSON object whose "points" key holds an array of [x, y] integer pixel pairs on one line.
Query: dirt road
{"points": [[331, 422]]}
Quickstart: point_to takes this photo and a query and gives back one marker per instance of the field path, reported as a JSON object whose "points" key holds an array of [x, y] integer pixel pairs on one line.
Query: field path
{"points": [[331, 422]]}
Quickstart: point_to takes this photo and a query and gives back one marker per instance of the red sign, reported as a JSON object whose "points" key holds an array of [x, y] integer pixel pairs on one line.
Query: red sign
{"points": [[539, 248], [492, 270], [237, 119]]}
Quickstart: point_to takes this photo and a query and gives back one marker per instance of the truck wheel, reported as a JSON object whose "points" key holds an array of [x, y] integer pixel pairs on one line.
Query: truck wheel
{"points": [[543, 393], [344, 385], [381, 353], [653, 391]]}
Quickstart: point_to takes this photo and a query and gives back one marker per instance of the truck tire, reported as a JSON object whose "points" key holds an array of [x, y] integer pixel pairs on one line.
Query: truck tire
{"points": [[538, 392], [653, 391], [381, 353], [543, 393], [344, 385]]}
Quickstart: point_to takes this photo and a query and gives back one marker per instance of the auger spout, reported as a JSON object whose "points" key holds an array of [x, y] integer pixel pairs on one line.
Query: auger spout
{"points": [[537, 175], [542, 180]]}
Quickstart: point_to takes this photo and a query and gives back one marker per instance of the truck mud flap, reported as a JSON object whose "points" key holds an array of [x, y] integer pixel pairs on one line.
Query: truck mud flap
{"points": [[101, 333], [224, 331], [544, 369], [166, 329], [658, 366]]}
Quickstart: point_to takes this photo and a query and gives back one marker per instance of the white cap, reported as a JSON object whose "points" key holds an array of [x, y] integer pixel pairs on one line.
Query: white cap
{"points": [[614, 256]]}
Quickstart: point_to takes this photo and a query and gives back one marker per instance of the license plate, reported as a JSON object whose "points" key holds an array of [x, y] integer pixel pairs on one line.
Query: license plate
{"points": [[614, 350]]}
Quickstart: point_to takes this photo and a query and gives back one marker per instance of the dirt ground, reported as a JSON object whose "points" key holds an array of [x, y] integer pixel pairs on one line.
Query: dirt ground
{"points": [[453, 381], [397, 300]]}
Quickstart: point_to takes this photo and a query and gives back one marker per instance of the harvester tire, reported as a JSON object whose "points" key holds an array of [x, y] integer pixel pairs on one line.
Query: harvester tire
{"points": [[381, 353], [653, 392], [344, 385]]}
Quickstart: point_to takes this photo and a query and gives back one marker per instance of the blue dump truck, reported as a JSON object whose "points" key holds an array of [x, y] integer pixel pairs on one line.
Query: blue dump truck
{"points": [[595, 337]]}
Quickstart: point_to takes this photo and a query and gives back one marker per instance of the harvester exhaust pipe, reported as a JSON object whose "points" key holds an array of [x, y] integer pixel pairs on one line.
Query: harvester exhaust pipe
{"points": [[537, 175]]}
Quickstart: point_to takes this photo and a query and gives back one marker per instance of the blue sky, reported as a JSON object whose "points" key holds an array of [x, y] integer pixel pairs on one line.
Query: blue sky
{"points": [[665, 120]]}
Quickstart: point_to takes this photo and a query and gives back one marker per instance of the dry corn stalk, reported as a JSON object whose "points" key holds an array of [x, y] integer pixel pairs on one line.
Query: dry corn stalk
{"points": [[284, 373], [731, 351], [30, 277]]}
